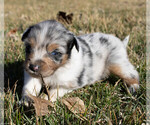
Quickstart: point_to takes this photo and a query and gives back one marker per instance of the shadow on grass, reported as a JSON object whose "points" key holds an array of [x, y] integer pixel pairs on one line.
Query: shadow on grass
{"points": [[113, 79], [13, 73]]}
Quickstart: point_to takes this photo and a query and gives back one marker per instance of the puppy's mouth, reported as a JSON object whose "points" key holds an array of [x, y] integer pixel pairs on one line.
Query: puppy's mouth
{"points": [[37, 72], [33, 73]]}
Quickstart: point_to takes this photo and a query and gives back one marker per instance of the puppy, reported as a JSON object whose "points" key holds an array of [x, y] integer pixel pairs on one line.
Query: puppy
{"points": [[67, 62]]}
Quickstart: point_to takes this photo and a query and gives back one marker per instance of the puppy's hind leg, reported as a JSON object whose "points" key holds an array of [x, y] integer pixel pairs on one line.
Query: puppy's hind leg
{"points": [[126, 71], [119, 64]]}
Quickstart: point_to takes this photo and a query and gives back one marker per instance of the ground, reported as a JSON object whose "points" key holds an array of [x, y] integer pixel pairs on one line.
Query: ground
{"points": [[106, 101]]}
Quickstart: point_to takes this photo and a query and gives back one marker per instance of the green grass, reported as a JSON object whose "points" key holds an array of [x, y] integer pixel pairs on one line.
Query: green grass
{"points": [[105, 103]]}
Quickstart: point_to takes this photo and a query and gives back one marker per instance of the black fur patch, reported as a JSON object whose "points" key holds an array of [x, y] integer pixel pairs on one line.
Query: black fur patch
{"points": [[86, 47], [26, 33], [80, 78], [104, 41], [86, 50], [71, 44], [28, 48], [113, 48]]}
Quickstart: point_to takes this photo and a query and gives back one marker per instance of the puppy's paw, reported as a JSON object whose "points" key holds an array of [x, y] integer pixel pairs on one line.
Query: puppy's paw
{"points": [[26, 101], [133, 88]]}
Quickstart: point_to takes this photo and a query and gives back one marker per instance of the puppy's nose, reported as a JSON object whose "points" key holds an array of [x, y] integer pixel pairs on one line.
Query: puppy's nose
{"points": [[34, 68]]}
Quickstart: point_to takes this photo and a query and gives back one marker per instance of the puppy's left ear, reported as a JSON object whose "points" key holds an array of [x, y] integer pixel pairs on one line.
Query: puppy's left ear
{"points": [[26, 33], [73, 43]]}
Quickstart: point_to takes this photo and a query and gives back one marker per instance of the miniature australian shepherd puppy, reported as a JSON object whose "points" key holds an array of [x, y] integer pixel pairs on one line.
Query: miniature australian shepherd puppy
{"points": [[72, 62]]}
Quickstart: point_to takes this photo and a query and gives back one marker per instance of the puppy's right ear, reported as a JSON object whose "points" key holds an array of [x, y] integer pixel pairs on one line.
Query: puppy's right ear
{"points": [[26, 33]]}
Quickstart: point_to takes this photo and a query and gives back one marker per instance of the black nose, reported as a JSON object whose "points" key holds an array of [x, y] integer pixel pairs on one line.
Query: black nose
{"points": [[34, 68]]}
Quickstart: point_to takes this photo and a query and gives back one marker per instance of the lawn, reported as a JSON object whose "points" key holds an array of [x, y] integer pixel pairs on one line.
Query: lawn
{"points": [[106, 102]]}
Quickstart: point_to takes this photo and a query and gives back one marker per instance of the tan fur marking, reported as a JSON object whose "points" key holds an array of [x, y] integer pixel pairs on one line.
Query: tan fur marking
{"points": [[131, 81], [49, 67], [52, 47], [64, 60], [115, 69]]}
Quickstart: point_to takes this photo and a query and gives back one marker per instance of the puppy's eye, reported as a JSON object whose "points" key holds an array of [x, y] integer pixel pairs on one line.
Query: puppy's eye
{"points": [[56, 53], [53, 53]]}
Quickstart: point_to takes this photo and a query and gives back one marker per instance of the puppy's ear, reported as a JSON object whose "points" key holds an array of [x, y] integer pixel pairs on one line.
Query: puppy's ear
{"points": [[26, 33], [76, 44], [73, 43]]}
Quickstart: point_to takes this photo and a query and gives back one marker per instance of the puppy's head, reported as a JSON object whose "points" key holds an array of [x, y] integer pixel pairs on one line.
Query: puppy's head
{"points": [[48, 46]]}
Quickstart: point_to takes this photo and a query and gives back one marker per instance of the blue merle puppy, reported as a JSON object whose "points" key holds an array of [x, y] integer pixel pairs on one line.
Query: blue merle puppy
{"points": [[72, 62]]}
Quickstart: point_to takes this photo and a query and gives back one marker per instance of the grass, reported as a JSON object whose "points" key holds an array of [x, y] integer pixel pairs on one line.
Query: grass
{"points": [[105, 103]]}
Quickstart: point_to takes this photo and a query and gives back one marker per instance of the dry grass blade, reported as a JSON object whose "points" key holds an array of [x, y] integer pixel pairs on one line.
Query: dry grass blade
{"points": [[117, 83], [115, 117], [15, 86], [108, 120], [41, 105], [129, 91], [74, 104]]}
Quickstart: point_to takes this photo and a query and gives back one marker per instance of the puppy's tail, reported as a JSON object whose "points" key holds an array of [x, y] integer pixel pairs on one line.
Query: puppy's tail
{"points": [[126, 40]]}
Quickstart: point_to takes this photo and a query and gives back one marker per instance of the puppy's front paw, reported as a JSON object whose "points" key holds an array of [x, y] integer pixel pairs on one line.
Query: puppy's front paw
{"points": [[26, 101]]}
